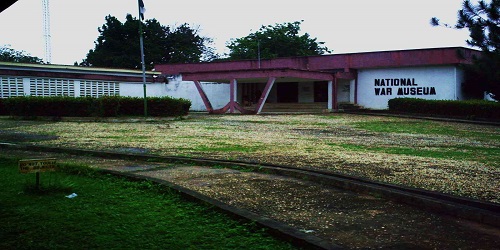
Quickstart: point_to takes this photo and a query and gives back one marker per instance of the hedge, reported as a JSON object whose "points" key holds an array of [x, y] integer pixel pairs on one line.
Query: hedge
{"points": [[470, 109], [107, 106]]}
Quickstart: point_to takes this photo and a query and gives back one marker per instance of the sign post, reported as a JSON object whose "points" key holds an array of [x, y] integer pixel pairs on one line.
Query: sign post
{"points": [[37, 166]]}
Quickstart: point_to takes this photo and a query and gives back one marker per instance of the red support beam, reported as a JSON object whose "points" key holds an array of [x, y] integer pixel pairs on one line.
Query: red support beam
{"points": [[204, 97], [243, 110], [222, 110], [265, 94]]}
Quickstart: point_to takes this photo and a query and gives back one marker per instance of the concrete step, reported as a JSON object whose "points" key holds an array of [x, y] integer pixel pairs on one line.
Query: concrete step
{"points": [[315, 107], [349, 106]]}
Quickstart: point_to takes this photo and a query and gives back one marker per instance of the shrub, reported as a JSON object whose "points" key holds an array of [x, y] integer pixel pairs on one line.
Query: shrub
{"points": [[107, 106], [468, 109], [3, 111]]}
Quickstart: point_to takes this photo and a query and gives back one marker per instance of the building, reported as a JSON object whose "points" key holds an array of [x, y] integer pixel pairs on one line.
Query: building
{"points": [[18, 79], [327, 82], [367, 79]]}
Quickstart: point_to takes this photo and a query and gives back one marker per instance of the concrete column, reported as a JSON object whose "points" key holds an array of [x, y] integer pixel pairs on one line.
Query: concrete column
{"points": [[236, 90], [232, 94], [352, 90], [330, 95], [334, 94]]}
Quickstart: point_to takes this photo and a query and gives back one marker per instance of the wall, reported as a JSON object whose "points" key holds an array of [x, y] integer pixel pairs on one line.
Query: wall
{"points": [[137, 89], [344, 90], [306, 92], [459, 76], [377, 86], [217, 93]]}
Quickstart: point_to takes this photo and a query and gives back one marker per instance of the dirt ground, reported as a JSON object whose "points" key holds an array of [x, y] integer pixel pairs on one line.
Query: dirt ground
{"points": [[345, 218]]}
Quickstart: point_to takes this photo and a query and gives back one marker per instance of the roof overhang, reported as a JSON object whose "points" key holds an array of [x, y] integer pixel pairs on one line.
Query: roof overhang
{"points": [[333, 63], [258, 75], [75, 72]]}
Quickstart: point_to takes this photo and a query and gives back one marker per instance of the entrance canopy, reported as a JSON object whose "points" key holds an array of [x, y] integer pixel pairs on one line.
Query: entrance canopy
{"points": [[270, 76]]}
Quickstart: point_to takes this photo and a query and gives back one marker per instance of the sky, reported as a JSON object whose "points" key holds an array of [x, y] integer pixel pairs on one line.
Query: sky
{"points": [[346, 26]]}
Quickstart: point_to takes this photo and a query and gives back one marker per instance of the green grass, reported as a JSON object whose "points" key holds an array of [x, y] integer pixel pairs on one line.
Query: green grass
{"points": [[422, 127], [112, 213]]}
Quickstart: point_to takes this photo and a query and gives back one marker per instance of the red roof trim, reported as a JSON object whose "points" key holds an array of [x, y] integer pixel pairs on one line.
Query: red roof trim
{"points": [[256, 74], [397, 58]]}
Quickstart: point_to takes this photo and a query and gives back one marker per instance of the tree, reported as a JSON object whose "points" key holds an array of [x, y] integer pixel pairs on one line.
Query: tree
{"points": [[189, 46], [118, 44], [482, 20], [280, 40], [11, 55]]}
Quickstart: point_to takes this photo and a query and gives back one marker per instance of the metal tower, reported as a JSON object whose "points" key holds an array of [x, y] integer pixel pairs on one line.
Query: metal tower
{"points": [[46, 31]]}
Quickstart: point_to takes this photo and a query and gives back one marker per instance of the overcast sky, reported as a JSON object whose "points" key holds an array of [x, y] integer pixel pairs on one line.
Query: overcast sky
{"points": [[344, 25]]}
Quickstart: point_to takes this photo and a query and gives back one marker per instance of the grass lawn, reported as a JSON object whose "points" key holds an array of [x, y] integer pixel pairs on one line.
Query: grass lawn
{"points": [[454, 158], [112, 213]]}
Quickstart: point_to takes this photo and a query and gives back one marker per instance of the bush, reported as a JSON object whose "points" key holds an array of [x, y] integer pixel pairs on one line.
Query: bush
{"points": [[3, 111], [467, 109], [107, 106]]}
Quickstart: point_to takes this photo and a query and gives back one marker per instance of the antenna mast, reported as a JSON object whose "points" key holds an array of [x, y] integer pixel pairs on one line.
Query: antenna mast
{"points": [[46, 30]]}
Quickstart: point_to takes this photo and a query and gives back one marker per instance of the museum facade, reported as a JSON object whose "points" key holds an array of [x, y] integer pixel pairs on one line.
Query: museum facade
{"points": [[327, 82]]}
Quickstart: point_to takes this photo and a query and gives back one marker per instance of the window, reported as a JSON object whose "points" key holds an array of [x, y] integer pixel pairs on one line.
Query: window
{"points": [[11, 86], [97, 89], [52, 87]]}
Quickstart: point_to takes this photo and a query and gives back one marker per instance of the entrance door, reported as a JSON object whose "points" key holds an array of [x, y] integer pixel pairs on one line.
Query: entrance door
{"points": [[320, 91], [288, 92]]}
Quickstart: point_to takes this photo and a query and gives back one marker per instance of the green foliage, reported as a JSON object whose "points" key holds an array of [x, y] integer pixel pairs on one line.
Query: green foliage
{"points": [[3, 110], [118, 44], [186, 46], [106, 106], [465, 109], [10, 55], [29, 106], [482, 20], [280, 40], [137, 215]]}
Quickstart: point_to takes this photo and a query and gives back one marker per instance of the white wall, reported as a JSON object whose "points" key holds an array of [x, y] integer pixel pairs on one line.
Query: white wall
{"points": [[137, 89], [306, 92], [344, 91], [433, 82], [459, 75], [217, 93]]}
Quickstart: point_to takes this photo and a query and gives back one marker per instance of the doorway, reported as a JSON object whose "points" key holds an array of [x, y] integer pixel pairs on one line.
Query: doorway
{"points": [[287, 92], [320, 91]]}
